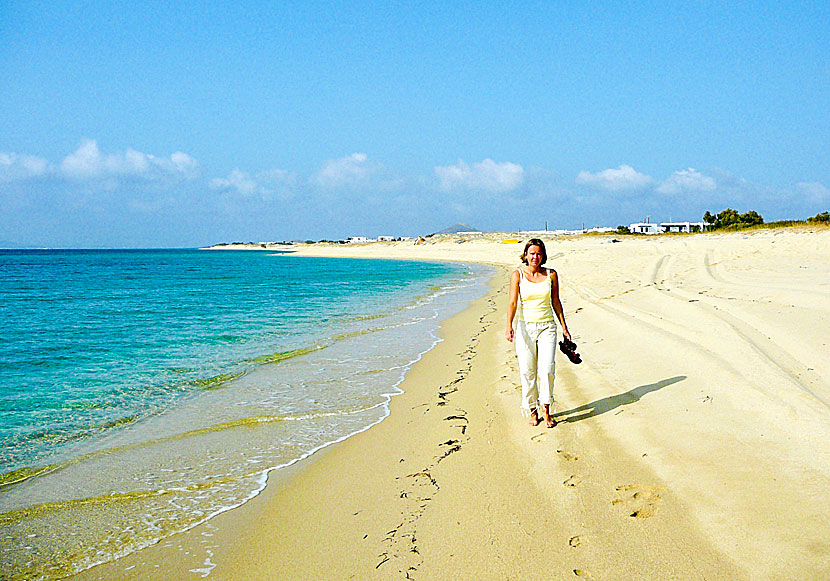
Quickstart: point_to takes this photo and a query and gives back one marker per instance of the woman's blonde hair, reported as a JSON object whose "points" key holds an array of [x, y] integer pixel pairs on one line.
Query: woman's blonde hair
{"points": [[540, 244]]}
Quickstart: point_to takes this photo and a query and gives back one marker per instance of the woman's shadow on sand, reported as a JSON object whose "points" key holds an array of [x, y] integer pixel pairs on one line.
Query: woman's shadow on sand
{"points": [[612, 402]]}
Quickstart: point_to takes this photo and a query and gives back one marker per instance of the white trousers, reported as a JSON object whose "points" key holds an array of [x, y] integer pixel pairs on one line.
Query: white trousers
{"points": [[535, 350]]}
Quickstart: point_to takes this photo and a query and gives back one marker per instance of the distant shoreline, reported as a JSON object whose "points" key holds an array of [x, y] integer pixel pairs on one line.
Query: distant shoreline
{"points": [[461, 238]]}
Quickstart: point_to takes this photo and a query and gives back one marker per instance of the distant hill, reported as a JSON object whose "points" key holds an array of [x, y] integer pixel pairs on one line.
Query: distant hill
{"points": [[455, 228]]}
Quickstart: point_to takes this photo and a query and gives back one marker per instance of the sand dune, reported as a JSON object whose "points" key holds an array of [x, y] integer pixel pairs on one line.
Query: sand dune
{"points": [[692, 444]]}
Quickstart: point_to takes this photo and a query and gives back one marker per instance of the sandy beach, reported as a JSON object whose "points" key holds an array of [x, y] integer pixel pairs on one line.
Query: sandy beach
{"points": [[692, 442]]}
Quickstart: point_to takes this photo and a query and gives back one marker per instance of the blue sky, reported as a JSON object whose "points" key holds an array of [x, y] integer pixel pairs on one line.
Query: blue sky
{"points": [[188, 124]]}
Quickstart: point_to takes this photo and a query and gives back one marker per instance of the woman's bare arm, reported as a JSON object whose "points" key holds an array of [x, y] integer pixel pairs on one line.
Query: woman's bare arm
{"points": [[557, 304], [512, 303]]}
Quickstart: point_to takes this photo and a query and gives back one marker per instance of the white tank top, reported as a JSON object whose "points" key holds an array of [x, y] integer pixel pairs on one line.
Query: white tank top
{"points": [[535, 300]]}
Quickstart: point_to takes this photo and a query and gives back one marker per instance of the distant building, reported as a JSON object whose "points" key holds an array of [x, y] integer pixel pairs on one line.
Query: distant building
{"points": [[358, 240], [644, 228], [683, 226], [667, 227], [387, 238]]}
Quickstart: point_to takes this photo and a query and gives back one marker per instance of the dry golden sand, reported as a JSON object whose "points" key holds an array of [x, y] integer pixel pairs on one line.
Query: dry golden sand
{"points": [[692, 443]]}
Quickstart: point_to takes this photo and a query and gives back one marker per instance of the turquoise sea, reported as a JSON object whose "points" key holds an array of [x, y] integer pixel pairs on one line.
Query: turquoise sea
{"points": [[144, 391]]}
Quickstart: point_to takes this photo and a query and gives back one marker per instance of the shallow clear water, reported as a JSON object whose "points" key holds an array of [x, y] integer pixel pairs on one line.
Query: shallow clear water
{"points": [[144, 391]]}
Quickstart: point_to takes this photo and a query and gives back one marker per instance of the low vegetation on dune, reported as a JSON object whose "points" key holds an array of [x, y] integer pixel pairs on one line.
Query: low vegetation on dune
{"points": [[730, 219], [822, 218]]}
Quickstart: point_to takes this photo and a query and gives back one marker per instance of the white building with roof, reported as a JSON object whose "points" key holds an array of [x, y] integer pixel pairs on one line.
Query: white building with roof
{"points": [[683, 226], [644, 228], [648, 227]]}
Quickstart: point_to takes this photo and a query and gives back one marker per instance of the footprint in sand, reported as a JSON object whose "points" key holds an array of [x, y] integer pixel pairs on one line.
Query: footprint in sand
{"points": [[510, 387], [573, 481], [568, 456], [575, 541], [639, 501], [582, 573]]}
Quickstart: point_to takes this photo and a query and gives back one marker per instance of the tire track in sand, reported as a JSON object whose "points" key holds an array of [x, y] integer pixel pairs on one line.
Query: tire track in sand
{"points": [[710, 270], [770, 352], [747, 334]]}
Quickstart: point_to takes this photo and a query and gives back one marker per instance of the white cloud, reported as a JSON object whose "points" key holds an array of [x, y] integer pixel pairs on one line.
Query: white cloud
{"points": [[185, 164], [16, 167], [349, 171], [488, 175], [263, 184], [237, 180], [686, 181], [814, 191], [88, 163], [624, 178]]}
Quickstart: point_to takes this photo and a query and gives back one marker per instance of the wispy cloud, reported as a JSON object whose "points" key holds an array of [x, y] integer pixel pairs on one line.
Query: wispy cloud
{"points": [[238, 181], [814, 191], [17, 167], [488, 176], [686, 181], [624, 178], [350, 171], [87, 163], [264, 184], [184, 164]]}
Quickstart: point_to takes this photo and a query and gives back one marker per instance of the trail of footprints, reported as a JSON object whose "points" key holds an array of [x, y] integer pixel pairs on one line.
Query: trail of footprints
{"points": [[573, 481], [400, 545], [638, 501]]}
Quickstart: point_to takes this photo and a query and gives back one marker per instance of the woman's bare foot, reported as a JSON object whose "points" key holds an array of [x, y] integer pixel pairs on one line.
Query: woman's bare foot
{"points": [[534, 418], [549, 421]]}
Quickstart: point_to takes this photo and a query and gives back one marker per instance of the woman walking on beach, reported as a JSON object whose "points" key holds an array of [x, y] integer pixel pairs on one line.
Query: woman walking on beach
{"points": [[534, 292]]}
